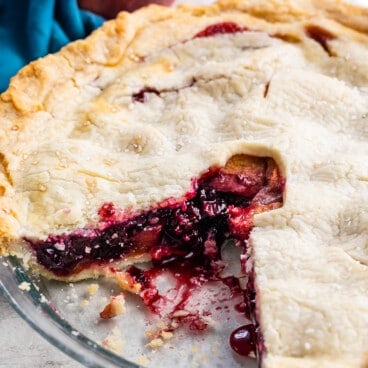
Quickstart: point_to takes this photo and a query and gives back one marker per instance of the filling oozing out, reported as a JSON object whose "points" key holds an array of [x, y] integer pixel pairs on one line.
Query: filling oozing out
{"points": [[221, 205], [183, 237]]}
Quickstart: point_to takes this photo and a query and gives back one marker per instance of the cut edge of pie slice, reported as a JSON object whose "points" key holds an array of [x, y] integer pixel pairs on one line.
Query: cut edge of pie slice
{"points": [[269, 79]]}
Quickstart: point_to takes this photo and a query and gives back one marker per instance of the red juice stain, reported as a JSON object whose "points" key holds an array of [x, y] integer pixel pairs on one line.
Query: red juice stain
{"points": [[233, 284], [240, 307], [107, 212]]}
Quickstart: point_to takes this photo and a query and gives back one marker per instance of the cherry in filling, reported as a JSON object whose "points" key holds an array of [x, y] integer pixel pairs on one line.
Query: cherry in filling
{"points": [[182, 236], [242, 340], [220, 28]]}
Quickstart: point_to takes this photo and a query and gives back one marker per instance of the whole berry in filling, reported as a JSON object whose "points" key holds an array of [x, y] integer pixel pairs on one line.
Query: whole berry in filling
{"points": [[242, 340]]}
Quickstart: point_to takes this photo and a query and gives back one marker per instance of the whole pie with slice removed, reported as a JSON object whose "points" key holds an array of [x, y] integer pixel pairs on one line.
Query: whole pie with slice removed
{"points": [[168, 131]]}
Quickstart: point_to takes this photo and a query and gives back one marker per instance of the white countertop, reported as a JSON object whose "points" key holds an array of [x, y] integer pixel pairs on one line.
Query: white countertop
{"points": [[21, 347]]}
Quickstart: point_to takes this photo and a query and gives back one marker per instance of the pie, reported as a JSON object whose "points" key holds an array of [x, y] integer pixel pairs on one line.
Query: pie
{"points": [[168, 131]]}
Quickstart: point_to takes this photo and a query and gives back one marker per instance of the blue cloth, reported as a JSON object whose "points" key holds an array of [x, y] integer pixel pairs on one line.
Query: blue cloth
{"points": [[30, 29]]}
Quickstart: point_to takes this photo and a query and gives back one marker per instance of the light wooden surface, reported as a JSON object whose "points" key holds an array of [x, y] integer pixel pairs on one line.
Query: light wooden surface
{"points": [[21, 347]]}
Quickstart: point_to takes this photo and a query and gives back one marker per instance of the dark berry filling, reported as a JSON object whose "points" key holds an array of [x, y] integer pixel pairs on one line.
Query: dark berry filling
{"points": [[266, 89], [191, 231], [322, 36], [141, 96], [220, 28], [182, 236]]}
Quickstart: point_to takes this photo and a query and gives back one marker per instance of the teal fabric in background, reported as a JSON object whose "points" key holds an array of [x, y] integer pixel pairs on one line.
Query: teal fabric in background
{"points": [[30, 29]]}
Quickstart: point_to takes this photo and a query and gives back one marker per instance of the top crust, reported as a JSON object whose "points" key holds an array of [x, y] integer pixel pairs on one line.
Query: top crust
{"points": [[76, 75], [31, 87], [73, 138]]}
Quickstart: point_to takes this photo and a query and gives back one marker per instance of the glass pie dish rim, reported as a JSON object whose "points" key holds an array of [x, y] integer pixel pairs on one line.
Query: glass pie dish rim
{"points": [[39, 313]]}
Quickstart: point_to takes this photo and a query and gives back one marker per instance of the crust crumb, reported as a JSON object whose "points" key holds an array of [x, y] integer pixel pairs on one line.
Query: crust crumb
{"points": [[167, 335], [84, 303], [115, 307], [113, 341], [92, 289], [142, 360], [164, 331], [180, 313], [25, 286], [125, 281], [155, 343]]}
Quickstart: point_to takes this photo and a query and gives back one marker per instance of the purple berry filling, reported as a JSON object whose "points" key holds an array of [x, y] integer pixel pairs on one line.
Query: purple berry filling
{"points": [[184, 237], [322, 36], [191, 229]]}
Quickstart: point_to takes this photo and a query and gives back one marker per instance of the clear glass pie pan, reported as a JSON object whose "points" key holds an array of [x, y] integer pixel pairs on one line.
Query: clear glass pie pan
{"points": [[68, 317]]}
